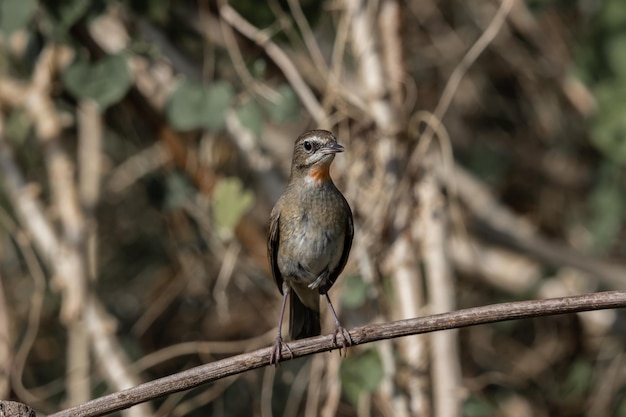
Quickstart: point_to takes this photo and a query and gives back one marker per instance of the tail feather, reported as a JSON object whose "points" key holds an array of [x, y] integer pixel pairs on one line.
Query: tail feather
{"points": [[303, 321]]}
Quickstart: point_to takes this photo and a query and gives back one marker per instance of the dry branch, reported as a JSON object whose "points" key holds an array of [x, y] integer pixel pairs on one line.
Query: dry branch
{"points": [[280, 58], [30, 212], [445, 358], [15, 409], [501, 225], [237, 364]]}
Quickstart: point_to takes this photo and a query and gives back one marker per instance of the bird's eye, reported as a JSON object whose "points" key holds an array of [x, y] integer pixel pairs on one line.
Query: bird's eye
{"points": [[307, 146]]}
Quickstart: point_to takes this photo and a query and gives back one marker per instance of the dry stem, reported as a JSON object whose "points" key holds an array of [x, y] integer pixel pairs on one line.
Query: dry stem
{"points": [[237, 364]]}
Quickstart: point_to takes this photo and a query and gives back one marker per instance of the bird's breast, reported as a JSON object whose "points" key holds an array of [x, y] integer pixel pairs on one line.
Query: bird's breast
{"points": [[312, 233]]}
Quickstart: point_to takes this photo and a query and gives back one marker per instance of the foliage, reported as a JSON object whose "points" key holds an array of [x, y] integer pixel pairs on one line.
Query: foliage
{"points": [[361, 374], [106, 82], [602, 60], [230, 202], [194, 106], [176, 269], [15, 14]]}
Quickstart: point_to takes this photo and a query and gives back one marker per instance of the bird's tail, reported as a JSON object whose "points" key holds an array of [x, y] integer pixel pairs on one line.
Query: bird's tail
{"points": [[303, 321]]}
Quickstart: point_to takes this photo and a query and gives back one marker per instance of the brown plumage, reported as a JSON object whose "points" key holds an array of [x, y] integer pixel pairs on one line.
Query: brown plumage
{"points": [[310, 238]]}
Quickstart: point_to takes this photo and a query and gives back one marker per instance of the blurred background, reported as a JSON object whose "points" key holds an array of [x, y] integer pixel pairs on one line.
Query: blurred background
{"points": [[144, 142]]}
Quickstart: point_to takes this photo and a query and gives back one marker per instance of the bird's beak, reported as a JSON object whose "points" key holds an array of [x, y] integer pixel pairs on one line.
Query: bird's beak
{"points": [[334, 148]]}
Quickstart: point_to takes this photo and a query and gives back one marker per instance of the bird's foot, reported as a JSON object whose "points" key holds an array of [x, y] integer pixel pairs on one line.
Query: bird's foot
{"points": [[342, 333], [277, 351]]}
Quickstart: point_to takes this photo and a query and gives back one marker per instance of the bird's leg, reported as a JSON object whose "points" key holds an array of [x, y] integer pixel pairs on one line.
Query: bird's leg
{"points": [[277, 350], [319, 280], [339, 330]]}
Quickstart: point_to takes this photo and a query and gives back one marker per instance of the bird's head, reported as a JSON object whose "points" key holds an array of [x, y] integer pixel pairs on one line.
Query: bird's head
{"points": [[313, 153]]}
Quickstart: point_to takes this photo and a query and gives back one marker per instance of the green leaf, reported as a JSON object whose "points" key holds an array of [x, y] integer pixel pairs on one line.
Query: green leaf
{"points": [[65, 13], [361, 374], [612, 15], [230, 202], [179, 191], [608, 207], [259, 68], [194, 106], [620, 410], [18, 126], [578, 381], [616, 54], [355, 293], [106, 81], [185, 109], [15, 14], [219, 97], [251, 117], [608, 132], [475, 406], [286, 108]]}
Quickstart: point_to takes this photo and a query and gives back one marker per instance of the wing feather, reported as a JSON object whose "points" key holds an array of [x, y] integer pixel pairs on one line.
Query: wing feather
{"points": [[272, 248], [347, 244]]}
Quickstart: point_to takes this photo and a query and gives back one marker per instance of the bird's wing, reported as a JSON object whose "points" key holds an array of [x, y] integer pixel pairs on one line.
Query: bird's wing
{"points": [[272, 247], [347, 244]]}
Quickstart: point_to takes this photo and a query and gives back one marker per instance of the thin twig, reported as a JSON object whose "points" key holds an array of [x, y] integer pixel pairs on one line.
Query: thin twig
{"points": [[25, 246], [501, 225], [280, 58], [239, 63], [237, 364], [308, 36], [457, 76]]}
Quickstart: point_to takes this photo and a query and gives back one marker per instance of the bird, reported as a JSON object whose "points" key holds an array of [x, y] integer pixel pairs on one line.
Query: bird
{"points": [[310, 236]]}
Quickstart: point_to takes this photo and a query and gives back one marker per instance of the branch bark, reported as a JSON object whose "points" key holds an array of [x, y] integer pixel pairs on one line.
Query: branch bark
{"points": [[15, 409], [237, 364]]}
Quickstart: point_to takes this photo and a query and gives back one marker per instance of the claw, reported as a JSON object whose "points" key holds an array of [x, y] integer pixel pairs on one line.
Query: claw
{"points": [[345, 339], [277, 351]]}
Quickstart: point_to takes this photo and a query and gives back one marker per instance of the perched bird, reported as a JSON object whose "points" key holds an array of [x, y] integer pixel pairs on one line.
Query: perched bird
{"points": [[309, 239]]}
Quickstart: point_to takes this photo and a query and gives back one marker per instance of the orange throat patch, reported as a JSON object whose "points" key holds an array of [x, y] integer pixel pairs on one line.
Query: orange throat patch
{"points": [[319, 174]]}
